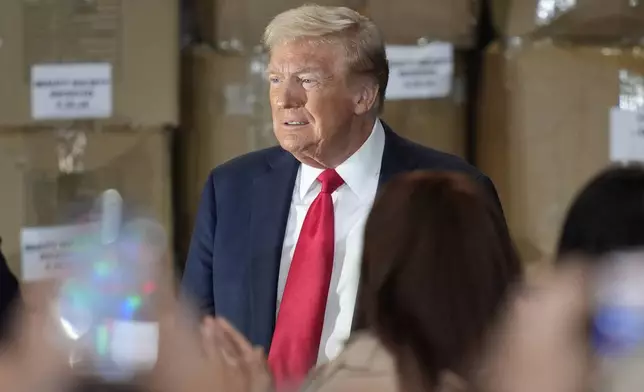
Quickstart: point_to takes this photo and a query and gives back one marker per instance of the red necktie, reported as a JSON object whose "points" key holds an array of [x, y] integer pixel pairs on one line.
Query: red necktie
{"points": [[296, 340]]}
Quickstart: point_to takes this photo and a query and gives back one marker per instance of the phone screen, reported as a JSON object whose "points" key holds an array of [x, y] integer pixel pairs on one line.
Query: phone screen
{"points": [[107, 305]]}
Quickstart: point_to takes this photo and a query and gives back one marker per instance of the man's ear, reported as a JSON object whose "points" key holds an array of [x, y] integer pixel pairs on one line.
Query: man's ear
{"points": [[366, 97]]}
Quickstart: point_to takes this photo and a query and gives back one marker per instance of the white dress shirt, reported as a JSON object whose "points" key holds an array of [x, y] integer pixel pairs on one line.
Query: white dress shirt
{"points": [[352, 202]]}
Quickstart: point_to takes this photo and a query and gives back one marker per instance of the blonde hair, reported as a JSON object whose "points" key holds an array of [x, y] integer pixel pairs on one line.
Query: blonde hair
{"points": [[362, 41]]}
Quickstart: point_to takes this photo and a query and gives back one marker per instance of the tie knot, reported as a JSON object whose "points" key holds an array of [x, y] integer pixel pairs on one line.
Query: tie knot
{"points": [[330, 180]]}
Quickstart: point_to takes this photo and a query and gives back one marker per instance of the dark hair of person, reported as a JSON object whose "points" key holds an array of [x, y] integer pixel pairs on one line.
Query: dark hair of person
{"points": [[607, 215], [437, 268]]}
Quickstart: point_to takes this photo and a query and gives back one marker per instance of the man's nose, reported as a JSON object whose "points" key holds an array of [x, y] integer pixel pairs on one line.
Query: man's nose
{"points": [[290, 97]]}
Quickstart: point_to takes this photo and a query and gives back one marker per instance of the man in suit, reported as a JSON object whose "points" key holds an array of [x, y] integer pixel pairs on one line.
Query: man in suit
{"points": [[281, 228], [9, 294]]}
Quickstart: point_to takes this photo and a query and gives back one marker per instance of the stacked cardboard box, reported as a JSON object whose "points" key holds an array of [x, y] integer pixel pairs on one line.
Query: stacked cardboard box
{"points": [[411, 21], [52, 179], [238, 25], [552, 113], [87, 92], [581, 20], [426, 97], [107, 59]]}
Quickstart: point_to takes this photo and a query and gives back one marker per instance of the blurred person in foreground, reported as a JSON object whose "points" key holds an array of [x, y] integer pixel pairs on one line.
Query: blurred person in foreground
{"points": [[542, 343], [545, 345], [277, 241], [437, 266], [607, 215]]}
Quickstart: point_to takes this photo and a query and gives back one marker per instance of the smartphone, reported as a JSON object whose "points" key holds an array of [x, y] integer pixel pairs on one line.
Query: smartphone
{"points": [[107, 305], [618, 322]]}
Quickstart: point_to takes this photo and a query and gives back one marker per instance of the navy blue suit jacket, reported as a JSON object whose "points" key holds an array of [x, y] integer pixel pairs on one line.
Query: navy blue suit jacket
{"points": [[233, 261]]}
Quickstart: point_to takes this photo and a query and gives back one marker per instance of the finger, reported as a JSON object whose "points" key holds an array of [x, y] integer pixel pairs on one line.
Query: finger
{"points": [[211, 344], [242, 346], [226, 348]]}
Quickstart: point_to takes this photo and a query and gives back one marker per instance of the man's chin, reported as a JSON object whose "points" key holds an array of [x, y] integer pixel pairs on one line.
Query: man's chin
{"points": [[305, 156]]}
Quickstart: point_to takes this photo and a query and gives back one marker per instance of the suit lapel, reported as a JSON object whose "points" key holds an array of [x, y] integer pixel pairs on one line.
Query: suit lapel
{"points": [[271, 198]]}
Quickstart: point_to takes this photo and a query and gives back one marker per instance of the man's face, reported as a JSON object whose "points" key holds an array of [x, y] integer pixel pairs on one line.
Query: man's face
{"points": [[311, 100]]}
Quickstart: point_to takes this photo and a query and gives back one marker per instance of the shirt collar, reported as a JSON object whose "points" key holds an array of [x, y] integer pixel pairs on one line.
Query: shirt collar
{"points": [[357, 170]]}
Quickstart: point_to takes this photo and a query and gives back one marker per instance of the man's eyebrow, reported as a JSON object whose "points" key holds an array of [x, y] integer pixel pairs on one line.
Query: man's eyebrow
{"points": [[312, 70]]}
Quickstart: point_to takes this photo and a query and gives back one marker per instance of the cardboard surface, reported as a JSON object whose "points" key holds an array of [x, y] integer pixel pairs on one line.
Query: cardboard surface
{"points": [[407, 21], [611, 21], [544, 130], [140, 47], [438, 122], [238, 25], [52, 178]]}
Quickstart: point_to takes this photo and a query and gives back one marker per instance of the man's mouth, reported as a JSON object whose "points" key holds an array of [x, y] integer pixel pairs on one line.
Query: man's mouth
{"points": [[296, 123]]}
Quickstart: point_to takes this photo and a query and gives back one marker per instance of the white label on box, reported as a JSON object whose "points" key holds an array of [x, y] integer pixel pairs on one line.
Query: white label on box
{"points": [[418, 72], [46, 251], [626, 135], [66, 91]]}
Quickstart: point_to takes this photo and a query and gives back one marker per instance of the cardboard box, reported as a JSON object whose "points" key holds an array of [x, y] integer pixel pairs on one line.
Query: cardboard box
{"points": [[226, 113], [73, 59], [51, 178], [611, 21], [409, 21], [238, 25], [438, 122], [550, 118]]}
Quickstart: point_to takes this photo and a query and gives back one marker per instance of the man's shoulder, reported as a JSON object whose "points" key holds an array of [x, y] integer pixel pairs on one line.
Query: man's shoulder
{"points": [[424, 157], [248, 165]]}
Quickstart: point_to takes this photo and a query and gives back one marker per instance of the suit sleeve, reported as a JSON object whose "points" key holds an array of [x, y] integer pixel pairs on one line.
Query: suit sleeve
{"points": [[197, 281]]}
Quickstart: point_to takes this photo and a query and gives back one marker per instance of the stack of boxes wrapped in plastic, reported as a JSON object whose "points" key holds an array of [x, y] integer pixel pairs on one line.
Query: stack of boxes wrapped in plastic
{"points": [[561, 98], [87, 93]]}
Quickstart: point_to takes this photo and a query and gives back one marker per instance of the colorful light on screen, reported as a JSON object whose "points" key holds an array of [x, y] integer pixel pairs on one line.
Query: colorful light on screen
{"points": [[102, 340], [107, 283], [149, 288], [103, 268], [131, 305]]}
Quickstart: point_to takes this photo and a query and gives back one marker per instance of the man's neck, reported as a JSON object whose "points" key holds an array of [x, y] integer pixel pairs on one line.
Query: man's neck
{"points": [[358, 137]]}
